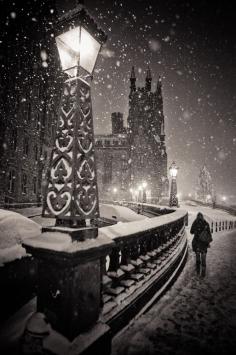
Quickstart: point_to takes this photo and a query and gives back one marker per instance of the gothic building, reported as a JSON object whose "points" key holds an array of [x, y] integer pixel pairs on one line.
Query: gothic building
{"points": [[129, 157], [30, 84], [29, 87]]}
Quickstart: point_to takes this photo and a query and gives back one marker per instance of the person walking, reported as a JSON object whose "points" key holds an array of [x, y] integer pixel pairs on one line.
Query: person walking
{"points": [[201, 242]]}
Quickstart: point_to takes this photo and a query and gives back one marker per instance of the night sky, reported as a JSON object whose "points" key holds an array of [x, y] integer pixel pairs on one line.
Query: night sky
{"points": [[192, 45]]}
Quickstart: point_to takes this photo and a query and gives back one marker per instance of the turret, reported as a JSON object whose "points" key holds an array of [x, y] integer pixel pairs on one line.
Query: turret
{"points": [[159, 87], [132, 81], [148, 80], [162, 135]]}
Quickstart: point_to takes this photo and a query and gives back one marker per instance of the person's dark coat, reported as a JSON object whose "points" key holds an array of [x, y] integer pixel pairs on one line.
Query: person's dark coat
{"points": [[197, 228]]}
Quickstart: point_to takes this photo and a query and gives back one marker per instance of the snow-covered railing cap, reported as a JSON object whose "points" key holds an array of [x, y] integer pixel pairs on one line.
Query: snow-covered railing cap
{"points": [[79, 17]]}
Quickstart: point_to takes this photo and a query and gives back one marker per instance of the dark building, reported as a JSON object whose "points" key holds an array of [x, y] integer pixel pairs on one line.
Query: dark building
{"points": [[28, 98], [117, 123], [30, 85], [130, 157]]}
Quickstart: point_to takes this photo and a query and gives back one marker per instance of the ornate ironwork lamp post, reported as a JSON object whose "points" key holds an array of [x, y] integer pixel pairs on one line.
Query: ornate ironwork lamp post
{"points": [[69, 263], [72, 195], [173, 188]]}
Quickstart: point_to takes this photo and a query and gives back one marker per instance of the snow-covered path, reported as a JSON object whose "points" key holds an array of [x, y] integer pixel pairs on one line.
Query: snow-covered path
{"points": [[197, 315]]}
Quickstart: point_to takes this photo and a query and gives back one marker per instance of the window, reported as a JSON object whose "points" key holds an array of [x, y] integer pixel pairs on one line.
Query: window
{"points": [[24, 183], [107, 177], [26, 146], [35, 152], [34, 185], [11, 181], [14, 139]]}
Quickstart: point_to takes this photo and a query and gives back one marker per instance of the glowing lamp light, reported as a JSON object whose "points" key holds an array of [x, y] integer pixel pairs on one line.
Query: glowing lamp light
{"points": [[115, 190], [77, 48], [173, 170], [144, 184], [224, 198]]}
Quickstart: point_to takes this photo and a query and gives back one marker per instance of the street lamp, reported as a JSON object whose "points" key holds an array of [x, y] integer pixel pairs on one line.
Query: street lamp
{"points": [[69, 267], [173, 189], [114, 193], [144, 192], [72, 194]]}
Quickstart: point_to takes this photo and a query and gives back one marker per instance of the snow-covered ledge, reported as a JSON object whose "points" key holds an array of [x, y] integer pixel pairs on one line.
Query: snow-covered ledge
{"points": [[137, 227]]}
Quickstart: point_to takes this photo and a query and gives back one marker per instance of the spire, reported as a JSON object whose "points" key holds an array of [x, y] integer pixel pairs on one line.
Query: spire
{"points": [[148, 80], [132, 81], [159, 85], [162, 135]]}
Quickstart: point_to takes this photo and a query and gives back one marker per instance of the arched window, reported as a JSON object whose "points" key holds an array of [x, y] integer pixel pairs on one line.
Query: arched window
{"points": [[11, 180]]}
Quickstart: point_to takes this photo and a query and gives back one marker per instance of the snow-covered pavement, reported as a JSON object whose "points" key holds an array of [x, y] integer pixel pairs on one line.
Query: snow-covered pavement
{"points": [[197, 315]]}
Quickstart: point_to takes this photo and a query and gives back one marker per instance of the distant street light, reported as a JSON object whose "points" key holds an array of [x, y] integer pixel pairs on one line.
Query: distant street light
{"points": [[173, 190], [144, 192], [224, 198], [114, 193]]}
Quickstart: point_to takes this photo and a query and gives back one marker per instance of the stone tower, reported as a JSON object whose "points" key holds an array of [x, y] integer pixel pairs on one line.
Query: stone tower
{"points": [[146, 133]]}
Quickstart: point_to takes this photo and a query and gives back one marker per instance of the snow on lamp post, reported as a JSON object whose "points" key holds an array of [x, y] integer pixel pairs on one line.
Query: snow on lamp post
{"points": [[173, 189], [72, 194], [69, 268]]}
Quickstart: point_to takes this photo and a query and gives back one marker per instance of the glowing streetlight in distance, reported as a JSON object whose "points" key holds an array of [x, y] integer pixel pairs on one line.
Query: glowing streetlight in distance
{"points": [[173, 170], [144, 184], [115, 189]]}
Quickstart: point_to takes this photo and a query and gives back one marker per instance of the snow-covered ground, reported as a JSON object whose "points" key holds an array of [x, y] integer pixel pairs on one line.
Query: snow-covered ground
{"points": [[14, 229], [197, 315]]}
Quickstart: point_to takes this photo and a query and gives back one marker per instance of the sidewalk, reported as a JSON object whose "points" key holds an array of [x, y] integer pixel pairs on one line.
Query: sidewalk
{"points": [[196, 316]]}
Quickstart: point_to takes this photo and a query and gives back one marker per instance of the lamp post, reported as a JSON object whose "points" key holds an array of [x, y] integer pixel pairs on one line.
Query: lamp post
{"points": [[173, 189], [72, 195], [69, 265], [144, 184]]}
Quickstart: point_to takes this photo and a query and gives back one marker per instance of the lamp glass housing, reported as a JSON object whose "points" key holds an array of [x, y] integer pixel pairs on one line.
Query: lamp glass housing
{"points": [[77, 48], [173, 170]]}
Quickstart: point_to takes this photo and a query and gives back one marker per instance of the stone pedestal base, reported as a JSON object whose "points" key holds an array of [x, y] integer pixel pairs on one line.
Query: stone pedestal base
{"points": [[69, 281]]}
